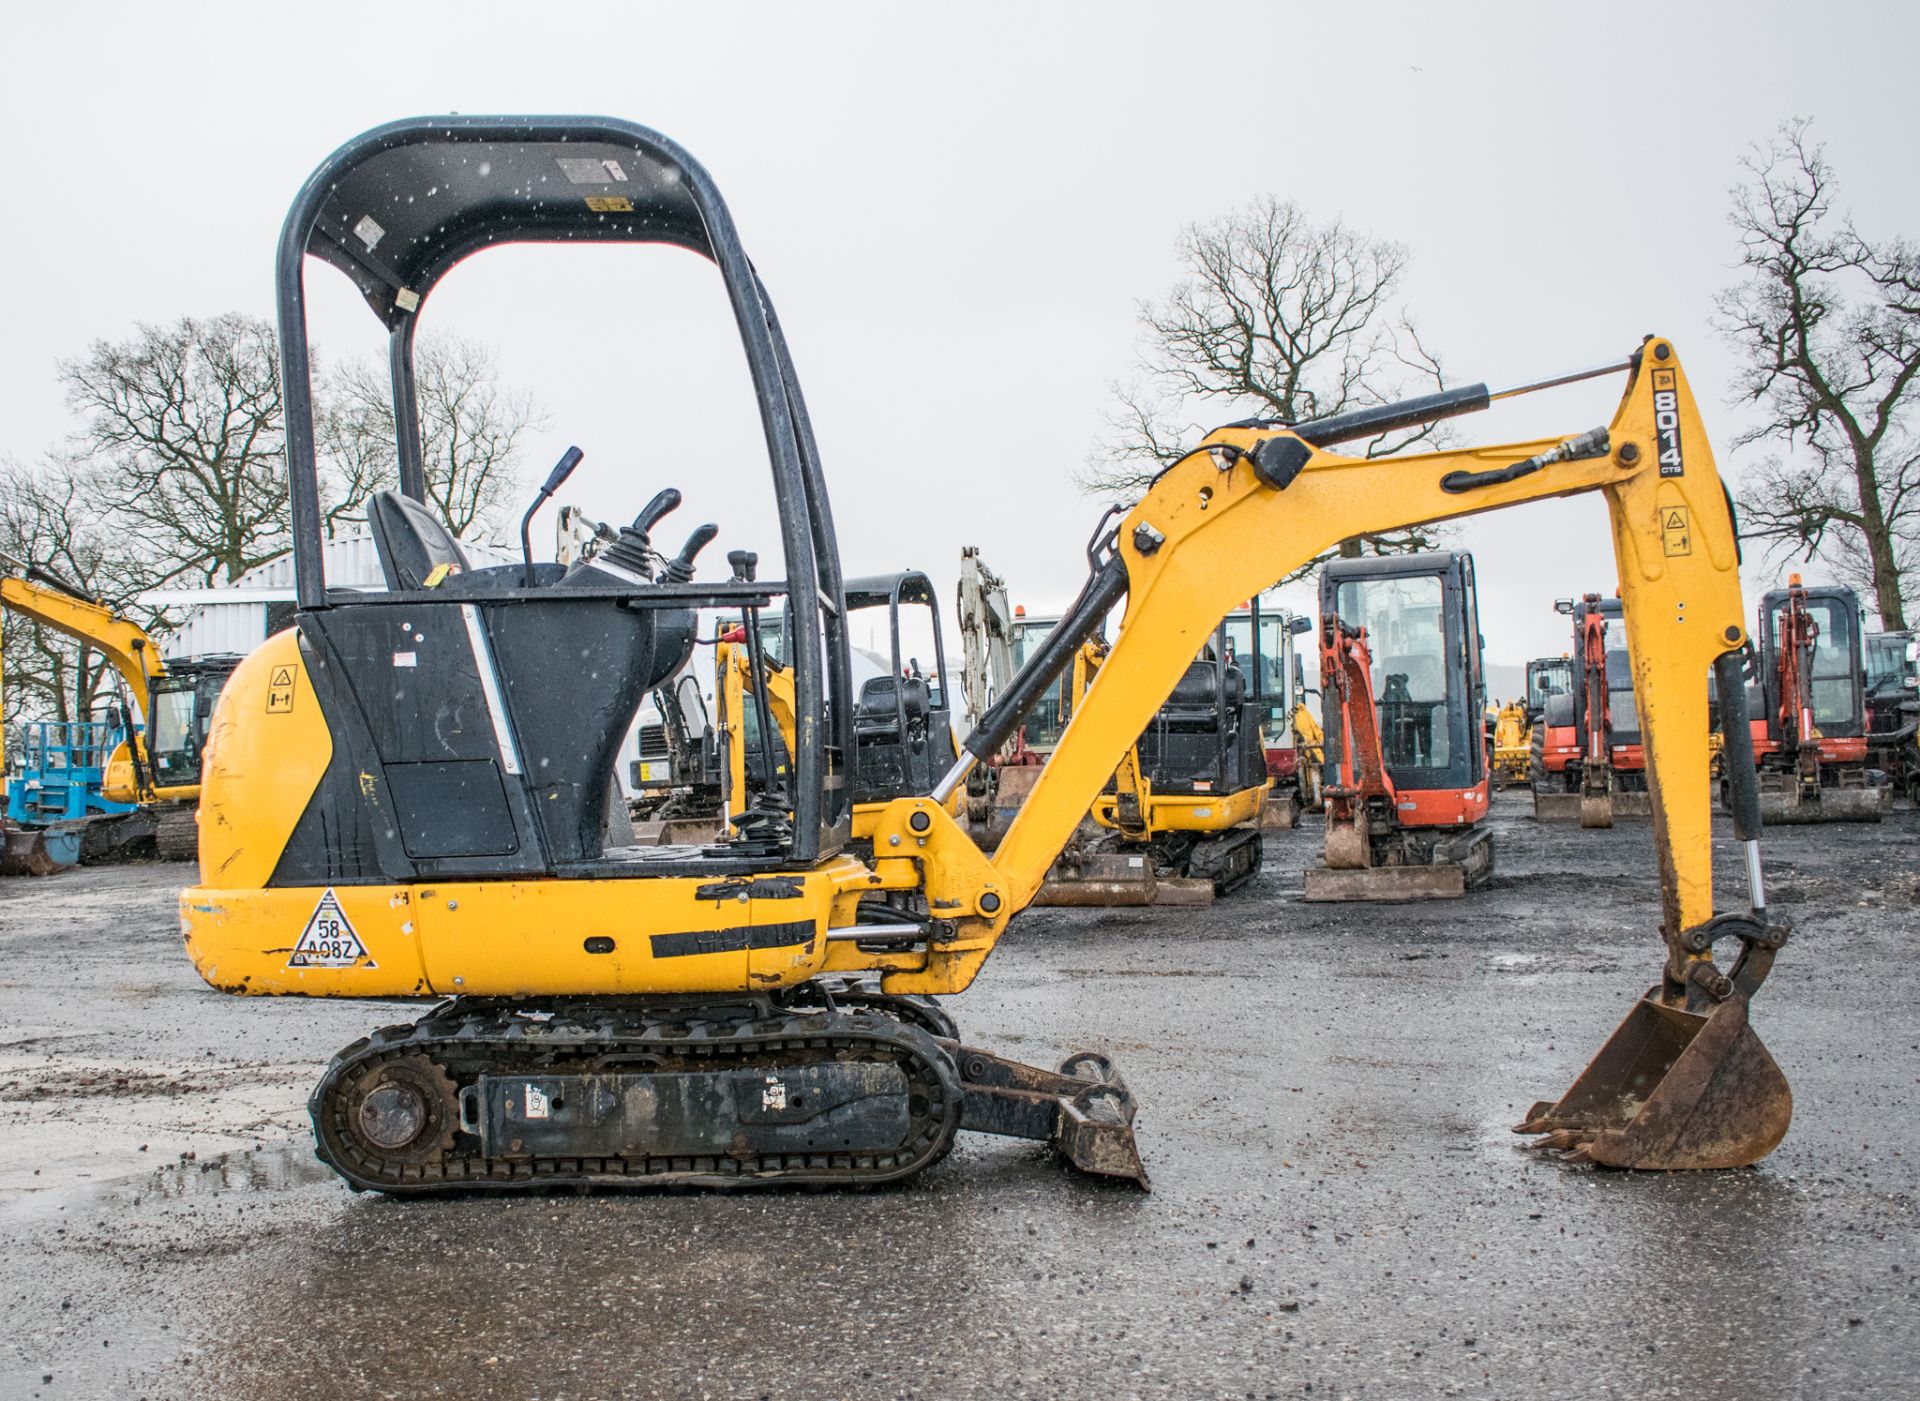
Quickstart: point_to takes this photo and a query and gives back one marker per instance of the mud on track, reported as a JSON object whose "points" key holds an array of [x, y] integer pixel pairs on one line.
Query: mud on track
{"points": [[1324, 1099]]}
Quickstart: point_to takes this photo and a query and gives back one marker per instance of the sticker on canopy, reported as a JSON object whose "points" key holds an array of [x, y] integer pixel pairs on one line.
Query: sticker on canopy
{"points": [[368, 232], [609, 204], [587, 170], [329, 940]]}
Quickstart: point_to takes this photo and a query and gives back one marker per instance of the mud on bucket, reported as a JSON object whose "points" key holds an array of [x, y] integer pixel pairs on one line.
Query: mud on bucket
{"points": [[1674, 1088]]}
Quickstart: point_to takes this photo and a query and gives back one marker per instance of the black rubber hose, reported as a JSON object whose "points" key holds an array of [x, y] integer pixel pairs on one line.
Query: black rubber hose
{"points": [[1106, 588], [1736, 755]]}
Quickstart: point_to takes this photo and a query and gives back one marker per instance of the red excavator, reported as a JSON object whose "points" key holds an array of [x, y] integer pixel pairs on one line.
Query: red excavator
{"points": [[1810, 737], [1406, 760], [1588, 759]]}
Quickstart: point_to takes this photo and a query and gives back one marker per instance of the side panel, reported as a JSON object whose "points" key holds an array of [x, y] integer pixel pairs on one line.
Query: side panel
{"points": [[268, 736]]}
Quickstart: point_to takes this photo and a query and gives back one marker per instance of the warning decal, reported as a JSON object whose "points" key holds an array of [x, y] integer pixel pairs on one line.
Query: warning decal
{"points": [[609, 204], [328, 941], [280, 691], [1675, 536]]}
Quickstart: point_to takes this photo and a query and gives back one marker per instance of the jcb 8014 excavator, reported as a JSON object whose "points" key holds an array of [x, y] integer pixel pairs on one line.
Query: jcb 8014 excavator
{"points": [[1811, 737], [165, 710], [1403, 691], [675, 1015]]}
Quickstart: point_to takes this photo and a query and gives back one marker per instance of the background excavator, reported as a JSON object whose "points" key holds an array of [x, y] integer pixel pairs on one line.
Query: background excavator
{"points": [[148, 756], [989, 633], [1893, 709], [1517, 737], [1403, 688], [1180, 821], [1811, 737], [736, 769], [1590, 764], [683, 1015]]}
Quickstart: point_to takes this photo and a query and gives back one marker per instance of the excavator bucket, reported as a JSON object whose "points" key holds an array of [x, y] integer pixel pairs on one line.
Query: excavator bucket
{"points": [[1671, 1090]]}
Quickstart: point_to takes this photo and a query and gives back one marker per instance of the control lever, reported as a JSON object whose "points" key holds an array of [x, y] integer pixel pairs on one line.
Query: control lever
{"points": [[667, 500], [744, 564], [562, 469], [680, 567], [630, 557]]}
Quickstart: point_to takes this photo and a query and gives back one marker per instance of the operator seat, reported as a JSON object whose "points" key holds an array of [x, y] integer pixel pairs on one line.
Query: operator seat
{"points": [[411, 542]]}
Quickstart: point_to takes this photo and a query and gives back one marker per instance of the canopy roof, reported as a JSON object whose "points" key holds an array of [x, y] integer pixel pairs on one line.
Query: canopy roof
{"points": [[877, 590], [396, 208]]}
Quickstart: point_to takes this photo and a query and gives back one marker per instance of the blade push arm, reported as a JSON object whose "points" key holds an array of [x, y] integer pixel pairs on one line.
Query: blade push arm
{"points": [[1253, 504]]}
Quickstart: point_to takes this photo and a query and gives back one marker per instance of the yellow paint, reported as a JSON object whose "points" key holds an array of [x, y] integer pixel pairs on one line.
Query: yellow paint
{"points": [[250, 744]]}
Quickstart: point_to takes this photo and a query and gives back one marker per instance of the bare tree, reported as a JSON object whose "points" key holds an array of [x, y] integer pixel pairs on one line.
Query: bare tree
{"points": [[46, 523], [1277, 317], [182, 435], [470, 432], [1828, 324]]}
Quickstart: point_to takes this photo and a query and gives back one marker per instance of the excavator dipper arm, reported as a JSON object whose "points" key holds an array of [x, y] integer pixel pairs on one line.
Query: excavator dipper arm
{"points": [[1252, 504]]}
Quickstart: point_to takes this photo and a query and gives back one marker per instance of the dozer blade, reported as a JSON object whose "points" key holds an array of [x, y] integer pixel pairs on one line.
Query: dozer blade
{"points": [[1556, 807], [1084, 1110], [25, 854], [1671, 1090], [1787, 809], [1385, 883]]}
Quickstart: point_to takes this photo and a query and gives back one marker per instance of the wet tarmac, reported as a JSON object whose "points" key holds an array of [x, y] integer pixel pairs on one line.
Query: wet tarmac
{"points": [[1338, 1207]]}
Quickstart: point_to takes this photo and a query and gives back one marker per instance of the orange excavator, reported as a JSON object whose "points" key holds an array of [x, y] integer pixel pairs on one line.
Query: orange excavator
{"points": [[1404, 690], [1810, 735], [1589, 762]]}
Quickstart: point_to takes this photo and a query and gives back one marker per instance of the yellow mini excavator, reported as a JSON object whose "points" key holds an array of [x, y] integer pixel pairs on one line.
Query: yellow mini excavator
{"points": [[1180, 822], [404, 791], [165, 711]]}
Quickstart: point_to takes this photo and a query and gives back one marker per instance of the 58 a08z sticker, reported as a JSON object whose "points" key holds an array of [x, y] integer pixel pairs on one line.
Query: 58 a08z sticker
{"points": [[1666, 422]]}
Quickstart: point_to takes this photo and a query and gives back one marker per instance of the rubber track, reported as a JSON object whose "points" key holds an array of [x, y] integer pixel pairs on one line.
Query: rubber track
{"points": [[467, 1044]]}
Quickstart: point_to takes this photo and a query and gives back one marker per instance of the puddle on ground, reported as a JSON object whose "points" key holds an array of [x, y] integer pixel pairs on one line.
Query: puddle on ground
{"points": [[278, 1168]]}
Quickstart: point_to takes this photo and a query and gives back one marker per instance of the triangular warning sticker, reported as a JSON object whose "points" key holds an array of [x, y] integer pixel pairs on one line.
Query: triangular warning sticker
{"points": [[328, 941], [1676, 520], [282, 676]]}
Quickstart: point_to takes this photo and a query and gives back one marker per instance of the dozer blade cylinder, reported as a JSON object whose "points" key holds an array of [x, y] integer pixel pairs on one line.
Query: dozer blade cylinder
{"points": [[1673, 1090]]}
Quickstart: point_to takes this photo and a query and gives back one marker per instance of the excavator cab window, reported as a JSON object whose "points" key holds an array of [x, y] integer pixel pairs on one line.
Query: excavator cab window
{"points": [[1404, 623], [173, 735], [1836, 672]]}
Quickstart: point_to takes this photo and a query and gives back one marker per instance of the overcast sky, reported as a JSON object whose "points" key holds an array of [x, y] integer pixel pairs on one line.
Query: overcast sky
{"points": [[957, 212]]}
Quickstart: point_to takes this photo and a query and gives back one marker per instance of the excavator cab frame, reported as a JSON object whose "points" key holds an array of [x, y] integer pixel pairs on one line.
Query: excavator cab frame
{"points": [[757, 1012]]}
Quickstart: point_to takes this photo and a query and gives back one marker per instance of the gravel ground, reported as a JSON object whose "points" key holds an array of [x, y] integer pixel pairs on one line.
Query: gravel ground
{"points": [[1338, 1207]]}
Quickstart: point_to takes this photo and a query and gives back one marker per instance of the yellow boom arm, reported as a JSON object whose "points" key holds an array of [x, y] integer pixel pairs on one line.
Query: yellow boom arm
{"points": [[125, 645], [1211, 532]]}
